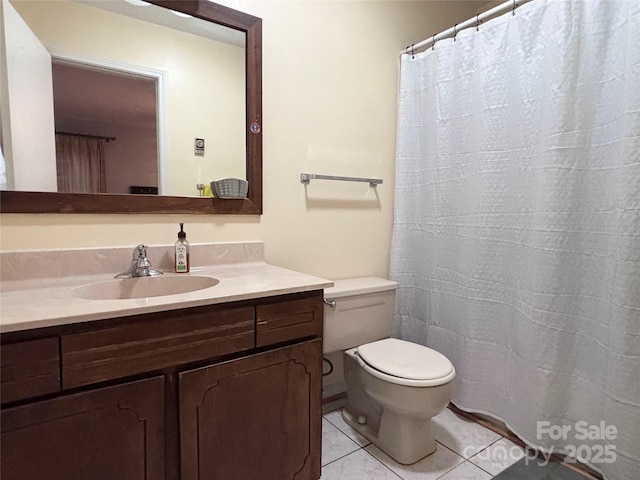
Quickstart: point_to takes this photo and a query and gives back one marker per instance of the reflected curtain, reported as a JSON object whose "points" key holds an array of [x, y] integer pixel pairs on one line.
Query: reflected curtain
{"points": [[80, 164], [516, 239]]}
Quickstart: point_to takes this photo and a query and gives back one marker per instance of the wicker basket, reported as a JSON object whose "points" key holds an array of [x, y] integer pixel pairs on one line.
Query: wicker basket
{"points": [[230, 188]]}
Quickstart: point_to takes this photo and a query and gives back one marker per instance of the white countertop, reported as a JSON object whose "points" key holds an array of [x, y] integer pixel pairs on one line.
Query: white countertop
{"points": [[45, 302]]}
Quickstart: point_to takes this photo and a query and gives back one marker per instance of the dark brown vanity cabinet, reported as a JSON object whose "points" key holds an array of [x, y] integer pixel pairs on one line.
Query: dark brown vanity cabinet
{"points": [[254, 418], [186, 394], [102, 434]]}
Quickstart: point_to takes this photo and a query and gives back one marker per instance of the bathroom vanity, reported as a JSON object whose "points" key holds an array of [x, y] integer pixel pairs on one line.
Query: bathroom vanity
{"points": [[220, 383]]}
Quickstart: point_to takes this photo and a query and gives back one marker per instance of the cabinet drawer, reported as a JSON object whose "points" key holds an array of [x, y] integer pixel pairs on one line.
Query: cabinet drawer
{"points": [[155, 341], [29, 369], [293, 318]]}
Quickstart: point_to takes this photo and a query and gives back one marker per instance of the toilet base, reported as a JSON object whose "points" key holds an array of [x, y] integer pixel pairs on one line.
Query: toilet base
{"points": [[405, 439], [394, 417]]}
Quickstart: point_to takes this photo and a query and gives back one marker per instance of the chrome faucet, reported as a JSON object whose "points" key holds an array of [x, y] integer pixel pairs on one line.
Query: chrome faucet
{"points": [[140, 265]]}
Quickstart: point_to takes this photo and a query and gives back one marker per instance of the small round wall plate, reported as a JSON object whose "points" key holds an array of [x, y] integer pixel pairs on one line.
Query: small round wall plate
{"points": [[255, 128]]}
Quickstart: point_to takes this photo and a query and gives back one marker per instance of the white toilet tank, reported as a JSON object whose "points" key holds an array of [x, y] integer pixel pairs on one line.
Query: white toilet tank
{"points": [[363, 312]]}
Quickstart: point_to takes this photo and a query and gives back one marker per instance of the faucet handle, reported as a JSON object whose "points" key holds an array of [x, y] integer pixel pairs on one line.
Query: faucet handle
{"points": [[140, 265], [139, 251]]}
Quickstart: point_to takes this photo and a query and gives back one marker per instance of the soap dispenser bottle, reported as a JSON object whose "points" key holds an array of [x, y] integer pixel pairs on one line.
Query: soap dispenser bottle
{"points": [[182, 252]]}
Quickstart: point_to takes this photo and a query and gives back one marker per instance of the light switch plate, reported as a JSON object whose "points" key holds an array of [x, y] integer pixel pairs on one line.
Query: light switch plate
{"points": [[199, 146]]}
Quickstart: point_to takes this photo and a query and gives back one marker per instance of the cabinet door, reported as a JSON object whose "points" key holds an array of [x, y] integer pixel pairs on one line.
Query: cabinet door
{"points": [[105, 434], [256, 418]]}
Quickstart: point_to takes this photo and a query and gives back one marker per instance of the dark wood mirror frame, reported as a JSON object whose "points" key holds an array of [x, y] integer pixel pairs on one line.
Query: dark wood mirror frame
{"points": [[50, 202]]}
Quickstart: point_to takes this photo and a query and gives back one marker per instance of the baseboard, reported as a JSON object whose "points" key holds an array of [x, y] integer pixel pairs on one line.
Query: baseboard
{"points": [[334, 402]]}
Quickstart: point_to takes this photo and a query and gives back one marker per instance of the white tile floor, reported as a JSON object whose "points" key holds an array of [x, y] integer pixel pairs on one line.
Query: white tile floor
{"points": [[465, 451]]}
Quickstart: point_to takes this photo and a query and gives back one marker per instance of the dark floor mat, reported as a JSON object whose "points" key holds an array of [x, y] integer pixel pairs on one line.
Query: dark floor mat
{"points": [[532, 470]]}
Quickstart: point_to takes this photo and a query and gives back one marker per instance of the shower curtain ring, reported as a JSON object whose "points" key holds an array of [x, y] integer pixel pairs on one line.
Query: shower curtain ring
{"points": [[454, 32], [477, 22], [433, 42], [513, 12], [413, 51]]}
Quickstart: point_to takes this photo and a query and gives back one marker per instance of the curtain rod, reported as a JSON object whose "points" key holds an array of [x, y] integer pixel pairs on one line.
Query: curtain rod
{"points": [[99, 137], [472, 22]]}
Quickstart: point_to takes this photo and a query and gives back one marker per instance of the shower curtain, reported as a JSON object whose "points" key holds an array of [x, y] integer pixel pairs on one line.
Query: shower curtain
{"points": [[80, 164], [516, 239]]}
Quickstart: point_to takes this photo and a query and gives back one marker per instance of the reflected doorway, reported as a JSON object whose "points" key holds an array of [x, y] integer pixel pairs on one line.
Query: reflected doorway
{"points": [[106, 130]]}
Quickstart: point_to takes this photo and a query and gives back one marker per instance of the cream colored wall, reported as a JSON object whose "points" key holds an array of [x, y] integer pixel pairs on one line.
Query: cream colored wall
{"points": [[131, 159], [330, 80]]}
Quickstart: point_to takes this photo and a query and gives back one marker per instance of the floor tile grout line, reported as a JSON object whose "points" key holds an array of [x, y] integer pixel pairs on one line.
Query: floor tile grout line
{"points": [[464, 460], [382, 463], [457, 465], [443, 474], [369, 453], [450, 449], [484, 448], [329, 420], [344, 433], [364, 447], [341, 457], [452, 468], [347, 434], [351, 439], [478, 466], [358, 446], [478, 453]]}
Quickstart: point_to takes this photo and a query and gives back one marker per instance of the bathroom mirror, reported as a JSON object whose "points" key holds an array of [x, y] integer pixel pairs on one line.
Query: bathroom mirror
{"points": [[251, 28]]}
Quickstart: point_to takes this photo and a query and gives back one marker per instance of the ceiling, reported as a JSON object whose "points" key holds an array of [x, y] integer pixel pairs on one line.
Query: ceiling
{"points": [[90, 95]]}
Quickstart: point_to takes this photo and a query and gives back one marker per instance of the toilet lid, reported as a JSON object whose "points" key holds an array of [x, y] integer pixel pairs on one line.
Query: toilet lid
{"points": [[406, 360]]}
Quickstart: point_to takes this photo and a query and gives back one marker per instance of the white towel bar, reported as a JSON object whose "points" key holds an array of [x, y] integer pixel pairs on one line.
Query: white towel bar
{"points": [[307, 177]]}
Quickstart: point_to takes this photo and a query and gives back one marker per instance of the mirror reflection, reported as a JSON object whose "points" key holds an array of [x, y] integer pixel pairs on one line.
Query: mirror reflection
{"points": [[131, 94]]}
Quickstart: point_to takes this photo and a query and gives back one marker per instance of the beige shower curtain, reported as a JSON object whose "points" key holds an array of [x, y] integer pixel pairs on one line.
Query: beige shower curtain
{"points": [[80, 164], [516, 241]]}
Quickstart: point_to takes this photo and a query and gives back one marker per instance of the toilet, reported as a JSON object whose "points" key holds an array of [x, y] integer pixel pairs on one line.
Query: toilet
{"points": [[394, 387]]}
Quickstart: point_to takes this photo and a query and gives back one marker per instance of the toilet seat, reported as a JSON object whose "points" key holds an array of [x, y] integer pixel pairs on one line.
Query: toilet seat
{"points": [[405, 363]]}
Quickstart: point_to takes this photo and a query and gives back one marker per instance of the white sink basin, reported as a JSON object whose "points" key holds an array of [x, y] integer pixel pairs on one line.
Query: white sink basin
{"points": [[142, 287]]}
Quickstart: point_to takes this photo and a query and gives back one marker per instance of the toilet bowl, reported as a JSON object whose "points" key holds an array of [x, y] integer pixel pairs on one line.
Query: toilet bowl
{"points": [[394, 387]]}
